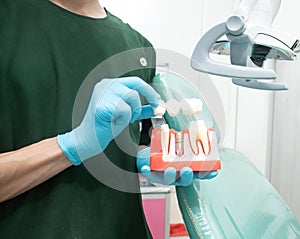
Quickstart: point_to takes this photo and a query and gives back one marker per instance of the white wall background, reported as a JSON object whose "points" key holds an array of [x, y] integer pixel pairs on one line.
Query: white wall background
{"points": [[177, 25], [285, 160]]}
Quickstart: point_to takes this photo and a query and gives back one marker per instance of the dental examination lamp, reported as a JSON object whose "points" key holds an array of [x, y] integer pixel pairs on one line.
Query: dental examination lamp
{"points": [[250, 41]]}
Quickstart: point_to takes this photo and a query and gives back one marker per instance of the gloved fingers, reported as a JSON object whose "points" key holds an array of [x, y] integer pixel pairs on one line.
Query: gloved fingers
{"points": [[205, 175], [120, 118], [132, 98], [169, 176], [146, 112], [154, 177], [143, 159], [112, 102], [145, 170], [186, 177], [136, 83], [104, 110]]}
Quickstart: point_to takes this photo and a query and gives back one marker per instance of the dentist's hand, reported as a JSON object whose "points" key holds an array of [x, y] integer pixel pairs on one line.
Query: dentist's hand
{"points": [[114, 104], [168, 177]]}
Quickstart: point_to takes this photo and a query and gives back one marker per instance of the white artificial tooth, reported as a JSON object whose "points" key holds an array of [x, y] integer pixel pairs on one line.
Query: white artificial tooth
{"points": [[198, 131], [160, 110], [173, 107], [165, 132], [191, 106], [203, 136], [193, 132]]}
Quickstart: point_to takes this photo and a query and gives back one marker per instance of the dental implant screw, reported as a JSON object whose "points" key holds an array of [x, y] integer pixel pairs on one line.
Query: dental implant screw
{"points": [[179, 144]]}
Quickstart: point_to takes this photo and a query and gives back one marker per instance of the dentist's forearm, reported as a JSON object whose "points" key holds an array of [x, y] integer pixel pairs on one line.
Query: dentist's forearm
{"points": [[28, 167]]}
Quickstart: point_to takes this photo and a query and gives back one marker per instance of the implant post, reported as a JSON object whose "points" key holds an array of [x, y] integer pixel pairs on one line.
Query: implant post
{"points": [[179, 144]]}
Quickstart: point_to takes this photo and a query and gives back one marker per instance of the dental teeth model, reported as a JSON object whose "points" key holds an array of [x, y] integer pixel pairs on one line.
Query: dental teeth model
{"points": [[195, 147], [198, 133], [165, 132]]}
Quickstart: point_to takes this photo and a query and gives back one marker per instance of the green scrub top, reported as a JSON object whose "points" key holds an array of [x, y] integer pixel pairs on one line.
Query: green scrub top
{"points": [[46, 52]]}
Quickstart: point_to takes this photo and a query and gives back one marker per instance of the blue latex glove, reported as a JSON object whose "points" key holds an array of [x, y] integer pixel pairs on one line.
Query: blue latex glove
{"points": [[168, 177], [114, 104]]}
